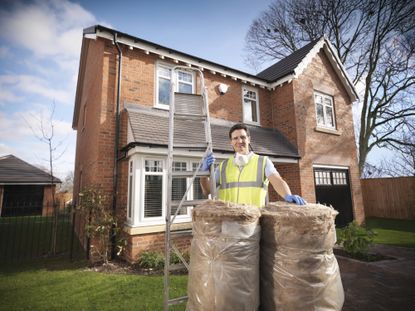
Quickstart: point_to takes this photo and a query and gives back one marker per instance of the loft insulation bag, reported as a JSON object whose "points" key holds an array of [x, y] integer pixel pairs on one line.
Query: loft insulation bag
{"points": [[298, 268], [224, 257]]}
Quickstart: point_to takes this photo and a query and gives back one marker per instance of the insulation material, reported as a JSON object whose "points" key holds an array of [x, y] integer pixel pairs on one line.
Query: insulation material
{"points": [[224, 258], [298, 268]]}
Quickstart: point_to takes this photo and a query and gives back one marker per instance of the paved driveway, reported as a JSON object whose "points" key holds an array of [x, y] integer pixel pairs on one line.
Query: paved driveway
{"points": [[383, 285]]}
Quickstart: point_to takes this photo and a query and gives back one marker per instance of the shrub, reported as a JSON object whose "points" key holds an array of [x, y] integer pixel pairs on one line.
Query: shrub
{"points": [[155, 260], [151, 260], [355, 239]]}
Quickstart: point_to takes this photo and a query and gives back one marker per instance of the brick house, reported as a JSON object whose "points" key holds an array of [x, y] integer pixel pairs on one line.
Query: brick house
{"points": [[299, 112], [25, 190]]}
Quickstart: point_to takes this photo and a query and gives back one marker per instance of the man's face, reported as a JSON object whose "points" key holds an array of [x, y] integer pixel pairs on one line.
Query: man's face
{"points": [[240, 141]]}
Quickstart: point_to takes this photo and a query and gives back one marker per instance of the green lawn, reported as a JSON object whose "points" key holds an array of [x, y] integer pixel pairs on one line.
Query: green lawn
{"points": [[27, 237], [58, 285], [393, 231]]}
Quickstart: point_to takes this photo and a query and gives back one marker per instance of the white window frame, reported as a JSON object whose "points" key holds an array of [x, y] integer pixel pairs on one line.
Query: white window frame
{"points": [[324, 97], [244, 113], [170, 67], [138, 173]]}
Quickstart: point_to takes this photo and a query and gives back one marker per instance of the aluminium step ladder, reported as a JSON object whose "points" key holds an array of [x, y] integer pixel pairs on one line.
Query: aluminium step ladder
{"points": [[192, 111]]}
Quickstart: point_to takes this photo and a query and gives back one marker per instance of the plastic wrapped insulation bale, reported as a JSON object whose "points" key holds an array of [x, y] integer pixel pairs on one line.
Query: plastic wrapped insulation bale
{"points": [[298, 268], [224, 258]]}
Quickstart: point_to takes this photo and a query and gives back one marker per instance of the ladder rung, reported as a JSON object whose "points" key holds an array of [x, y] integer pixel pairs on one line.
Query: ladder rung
{"points": [[187, 203], [190, 174], [178, 300], [190, 115], [190, 146]]}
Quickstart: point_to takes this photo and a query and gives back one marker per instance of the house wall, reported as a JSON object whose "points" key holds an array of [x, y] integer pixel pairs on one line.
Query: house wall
{"points": [[290, 108], [324, 147]]}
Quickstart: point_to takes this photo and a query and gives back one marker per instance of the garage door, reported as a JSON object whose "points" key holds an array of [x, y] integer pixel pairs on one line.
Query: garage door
{"points": [[333, 188], [22, 201]]}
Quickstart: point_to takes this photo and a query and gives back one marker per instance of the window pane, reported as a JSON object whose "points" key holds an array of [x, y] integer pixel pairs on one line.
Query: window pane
{"points": [[153, 166], [164, 72], [185, 88], [179, 186], [319, 99], [185, 76], [327, 101], [130, 196], [320, 114], [164, 91], [329, 116], [152, 196], [248, 110], [254, 112]]}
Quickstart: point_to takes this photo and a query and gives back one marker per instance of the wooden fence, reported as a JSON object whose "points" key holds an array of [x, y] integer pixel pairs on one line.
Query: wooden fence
{"points": [[389, 197]]}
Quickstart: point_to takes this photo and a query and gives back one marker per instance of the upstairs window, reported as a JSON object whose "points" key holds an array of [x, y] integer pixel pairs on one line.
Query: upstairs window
{"points": [[250, 105], [185, 83], [324, 111]]}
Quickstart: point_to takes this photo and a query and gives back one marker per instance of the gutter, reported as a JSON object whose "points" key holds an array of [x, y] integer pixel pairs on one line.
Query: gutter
{"points": [[116, 143]]}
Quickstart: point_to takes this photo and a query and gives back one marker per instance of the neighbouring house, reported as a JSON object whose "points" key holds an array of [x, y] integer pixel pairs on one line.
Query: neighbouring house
{"points": [[25, 190], [299, 112]]}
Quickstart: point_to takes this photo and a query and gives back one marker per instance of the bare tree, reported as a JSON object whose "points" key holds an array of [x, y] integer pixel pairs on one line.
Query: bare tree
{"points": [[375, 40], [43, 129]]}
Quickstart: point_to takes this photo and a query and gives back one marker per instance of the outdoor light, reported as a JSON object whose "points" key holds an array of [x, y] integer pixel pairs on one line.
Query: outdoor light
{"points": [[223, 88]]}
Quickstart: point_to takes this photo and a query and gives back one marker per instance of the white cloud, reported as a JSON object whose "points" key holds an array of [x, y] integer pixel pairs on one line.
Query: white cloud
{"points": [[5, 150], [46, 28], [11, 84]]}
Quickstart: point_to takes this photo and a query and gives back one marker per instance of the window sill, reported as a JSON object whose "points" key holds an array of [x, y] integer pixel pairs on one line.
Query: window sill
{"points": [[156, 228], [163, 107], [327, 130]]}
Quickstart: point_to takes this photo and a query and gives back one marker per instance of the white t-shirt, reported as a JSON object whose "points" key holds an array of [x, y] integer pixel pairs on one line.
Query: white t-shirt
{"points": [[269, 168]]}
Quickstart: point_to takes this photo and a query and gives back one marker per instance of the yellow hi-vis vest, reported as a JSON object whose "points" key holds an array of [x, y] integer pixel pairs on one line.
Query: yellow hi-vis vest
{"points": [[246, 186]]}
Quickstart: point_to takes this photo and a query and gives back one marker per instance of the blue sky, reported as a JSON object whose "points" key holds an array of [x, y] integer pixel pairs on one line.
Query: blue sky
{"points": [[39, 56]]}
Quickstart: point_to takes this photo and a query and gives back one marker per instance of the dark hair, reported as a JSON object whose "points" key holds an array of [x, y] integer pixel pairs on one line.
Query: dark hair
{"points": [[239, 126]]}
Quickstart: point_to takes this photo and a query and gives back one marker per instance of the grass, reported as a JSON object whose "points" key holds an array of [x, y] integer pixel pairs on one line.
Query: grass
{"points": [[393, 231], [30, 236], [58, 285]]}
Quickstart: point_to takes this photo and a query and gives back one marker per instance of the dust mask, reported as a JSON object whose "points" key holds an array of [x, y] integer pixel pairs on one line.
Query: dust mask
{"points": [[241, 159]]}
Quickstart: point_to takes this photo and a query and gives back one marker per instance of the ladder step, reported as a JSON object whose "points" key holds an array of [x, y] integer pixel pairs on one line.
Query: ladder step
{"points": [[178, 300], [190, 146], [188, 103], [189, 115], [190, 174], [187, 203]]}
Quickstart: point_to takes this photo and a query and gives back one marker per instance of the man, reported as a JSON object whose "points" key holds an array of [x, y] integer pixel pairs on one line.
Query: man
{"points": [[244, 177]]}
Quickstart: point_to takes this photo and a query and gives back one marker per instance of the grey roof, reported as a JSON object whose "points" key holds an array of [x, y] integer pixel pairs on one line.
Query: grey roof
{"points": [[150, 127], [286, 65], [16, 171]]}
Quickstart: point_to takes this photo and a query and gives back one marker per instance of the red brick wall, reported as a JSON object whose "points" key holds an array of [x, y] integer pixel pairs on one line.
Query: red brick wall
{"points": [[152, 242], [290, 108], [317, 147]]}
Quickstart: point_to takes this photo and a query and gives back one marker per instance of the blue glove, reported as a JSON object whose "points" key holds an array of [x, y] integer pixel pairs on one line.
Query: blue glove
{"points": [[207, 162], [295, 199]]}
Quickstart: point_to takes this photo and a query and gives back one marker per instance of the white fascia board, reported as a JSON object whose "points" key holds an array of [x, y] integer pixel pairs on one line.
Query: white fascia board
{"points": [[335, 62], [187, 60], [281, 81], [339, 167], [341, 71], [283, 160]]}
